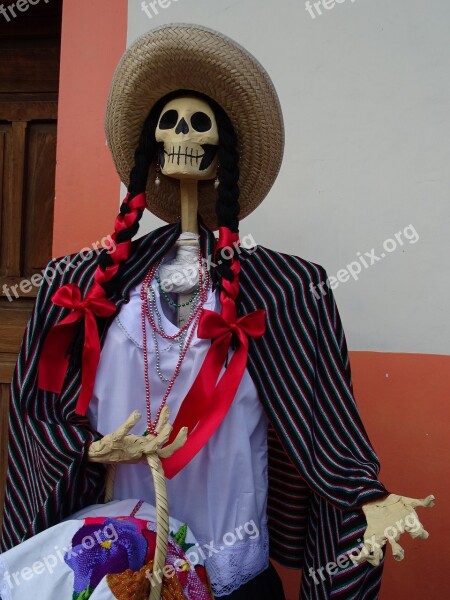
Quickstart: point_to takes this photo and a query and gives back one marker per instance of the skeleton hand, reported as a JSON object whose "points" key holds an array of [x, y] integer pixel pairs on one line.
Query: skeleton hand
{"points": [[164, 429], [387, 519], [123, 447]]}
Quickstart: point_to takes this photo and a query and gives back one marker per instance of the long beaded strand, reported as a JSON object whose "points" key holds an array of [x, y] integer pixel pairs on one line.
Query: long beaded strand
{"points": [[193, 320], [181, 340]]}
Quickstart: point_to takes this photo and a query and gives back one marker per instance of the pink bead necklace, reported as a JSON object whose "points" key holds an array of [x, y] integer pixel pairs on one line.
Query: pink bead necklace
{"points": [[146, 315]]}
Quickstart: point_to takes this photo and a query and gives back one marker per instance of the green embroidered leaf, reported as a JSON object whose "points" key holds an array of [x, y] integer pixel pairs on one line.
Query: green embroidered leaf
{"points": [[180, 538], [84, 595], [180, 535]]}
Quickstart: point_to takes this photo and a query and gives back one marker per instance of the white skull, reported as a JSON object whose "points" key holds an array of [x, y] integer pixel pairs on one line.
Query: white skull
{"points": [[188, 137]]}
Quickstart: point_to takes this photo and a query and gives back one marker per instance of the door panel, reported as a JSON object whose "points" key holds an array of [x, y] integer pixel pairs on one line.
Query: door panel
{"points": [[39, 62], [39, 196], [29, 75]]}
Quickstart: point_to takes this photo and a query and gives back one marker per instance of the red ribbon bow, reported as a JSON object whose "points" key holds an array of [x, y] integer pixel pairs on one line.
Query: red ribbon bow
{"points": [[54, 359], [208, 401]]}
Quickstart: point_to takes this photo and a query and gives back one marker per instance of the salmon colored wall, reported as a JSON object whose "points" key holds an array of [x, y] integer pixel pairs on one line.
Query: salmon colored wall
{"points": [[87, 186], [402, 397], [403, 400]]}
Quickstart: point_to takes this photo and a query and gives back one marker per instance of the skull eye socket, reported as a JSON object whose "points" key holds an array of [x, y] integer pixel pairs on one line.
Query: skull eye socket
{"points": [[168, 120], [201, 122]]}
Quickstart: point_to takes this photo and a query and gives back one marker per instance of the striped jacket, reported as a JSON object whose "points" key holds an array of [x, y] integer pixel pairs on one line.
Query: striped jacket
{"points": [[322, 467]]}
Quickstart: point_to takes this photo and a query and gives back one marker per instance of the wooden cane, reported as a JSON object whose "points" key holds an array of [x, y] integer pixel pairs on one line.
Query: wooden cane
{"points": [[162, 525]]}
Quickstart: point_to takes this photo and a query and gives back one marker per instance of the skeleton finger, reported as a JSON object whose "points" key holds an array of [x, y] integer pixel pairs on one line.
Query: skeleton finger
{"points": [[177, 443], [372, 556], [126, 427], [372, 550], [357, 559], [163, 434], [427, 502], [375, 558], [163, 418], [397, 551], [418, 533]]}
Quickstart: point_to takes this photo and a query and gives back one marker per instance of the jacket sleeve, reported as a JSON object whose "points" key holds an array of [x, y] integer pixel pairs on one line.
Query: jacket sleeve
{"points": [[345, 466], [49, 476]]}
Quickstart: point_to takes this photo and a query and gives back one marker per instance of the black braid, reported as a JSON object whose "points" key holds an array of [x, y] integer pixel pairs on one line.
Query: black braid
{"points": [[227, 205], [144, 155]]}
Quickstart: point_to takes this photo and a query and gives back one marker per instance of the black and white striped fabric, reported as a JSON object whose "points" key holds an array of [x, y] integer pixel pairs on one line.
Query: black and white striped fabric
{"points": [[322, 467]]}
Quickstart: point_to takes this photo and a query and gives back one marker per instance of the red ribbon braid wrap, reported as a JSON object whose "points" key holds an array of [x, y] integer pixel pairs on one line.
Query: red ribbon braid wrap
{"points": [[208, 400], [54, 360]]}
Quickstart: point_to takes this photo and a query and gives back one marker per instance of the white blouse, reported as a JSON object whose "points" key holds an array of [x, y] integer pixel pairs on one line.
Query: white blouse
{"points": [[222, 492]]}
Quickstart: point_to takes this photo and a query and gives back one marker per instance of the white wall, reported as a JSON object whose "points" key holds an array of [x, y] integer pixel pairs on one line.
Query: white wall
{"points": [[365, 93]]}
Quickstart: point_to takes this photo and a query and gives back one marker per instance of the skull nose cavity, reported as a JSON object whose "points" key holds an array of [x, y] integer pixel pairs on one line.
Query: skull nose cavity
{"points": [[182, 126]]}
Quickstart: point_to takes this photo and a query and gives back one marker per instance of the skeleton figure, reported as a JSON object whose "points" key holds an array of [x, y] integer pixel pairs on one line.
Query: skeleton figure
{"points": [[324, 496]]}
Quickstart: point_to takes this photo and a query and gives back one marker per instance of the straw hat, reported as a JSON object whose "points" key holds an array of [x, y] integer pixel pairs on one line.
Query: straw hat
{"points": [[183, 56]]}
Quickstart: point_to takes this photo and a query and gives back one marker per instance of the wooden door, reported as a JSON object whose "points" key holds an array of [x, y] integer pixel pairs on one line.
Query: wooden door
{"points": [[29, 75]]}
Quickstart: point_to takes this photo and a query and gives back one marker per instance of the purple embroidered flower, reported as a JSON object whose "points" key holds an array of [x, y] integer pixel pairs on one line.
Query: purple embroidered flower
{"points": [[101, 548]]}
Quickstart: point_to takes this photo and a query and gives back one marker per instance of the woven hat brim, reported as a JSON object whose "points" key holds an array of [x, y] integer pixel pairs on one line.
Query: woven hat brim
{"points": [[184, 56]]}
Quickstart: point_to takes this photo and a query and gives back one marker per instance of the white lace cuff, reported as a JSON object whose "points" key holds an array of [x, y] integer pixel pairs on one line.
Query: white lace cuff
{"points": [[231, 566]]}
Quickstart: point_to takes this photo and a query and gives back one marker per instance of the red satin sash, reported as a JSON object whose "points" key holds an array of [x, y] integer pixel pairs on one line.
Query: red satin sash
{"points": [[208, 402]]}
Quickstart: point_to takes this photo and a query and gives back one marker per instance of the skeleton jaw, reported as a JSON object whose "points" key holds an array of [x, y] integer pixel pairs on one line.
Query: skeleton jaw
{"points": [[188, 160]]}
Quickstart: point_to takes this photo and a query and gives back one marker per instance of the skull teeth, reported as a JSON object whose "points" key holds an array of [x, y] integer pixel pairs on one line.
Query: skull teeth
{"points": [[189, 154]]}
